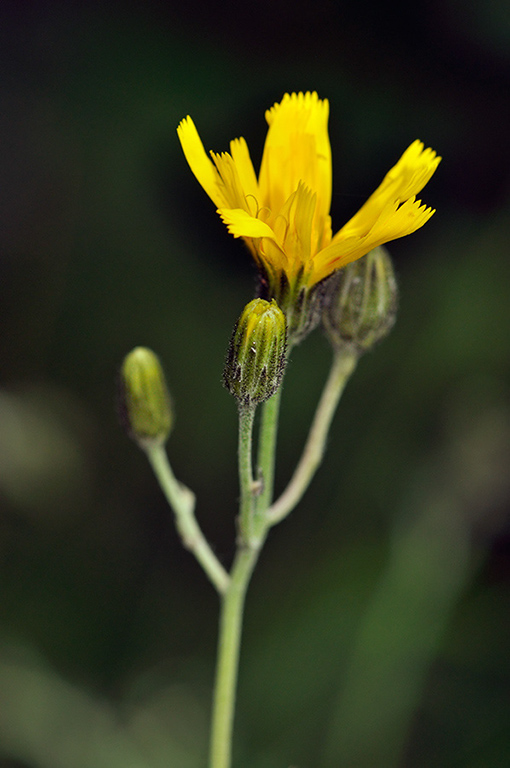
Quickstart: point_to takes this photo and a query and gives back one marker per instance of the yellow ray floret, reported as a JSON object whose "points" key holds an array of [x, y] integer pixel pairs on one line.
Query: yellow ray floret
{"points": [[284, 214]]}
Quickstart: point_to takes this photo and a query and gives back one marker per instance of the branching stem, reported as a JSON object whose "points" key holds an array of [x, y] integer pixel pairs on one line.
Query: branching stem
{"points": [[342, 367], [182, 501]]}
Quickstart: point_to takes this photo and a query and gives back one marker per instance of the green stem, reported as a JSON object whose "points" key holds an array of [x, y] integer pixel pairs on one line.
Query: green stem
{"points": [[253, 527], [246, 482], [232, 606], [229, 643], [182, 501], [267, 449], [342, 367]]}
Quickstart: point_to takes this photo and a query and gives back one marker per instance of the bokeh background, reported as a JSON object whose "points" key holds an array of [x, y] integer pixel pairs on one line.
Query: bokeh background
{"points": [[377, 625]]}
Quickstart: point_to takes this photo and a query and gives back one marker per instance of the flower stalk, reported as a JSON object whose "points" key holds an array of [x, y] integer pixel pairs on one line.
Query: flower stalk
{"points": [[247, 485]]}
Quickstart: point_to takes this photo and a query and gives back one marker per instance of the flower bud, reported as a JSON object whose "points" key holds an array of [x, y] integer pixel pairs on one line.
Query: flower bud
{"points": [[144, 401], [256, 355], [361, 304]]}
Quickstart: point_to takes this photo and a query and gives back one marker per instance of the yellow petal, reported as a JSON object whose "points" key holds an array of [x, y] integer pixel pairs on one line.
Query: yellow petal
{"points": [[272, 257], [414, 169], [202, 167], [232, 187], [403, 181], [248, 179], [293, 227], [297, 149], [241, 224], [394, 223]]}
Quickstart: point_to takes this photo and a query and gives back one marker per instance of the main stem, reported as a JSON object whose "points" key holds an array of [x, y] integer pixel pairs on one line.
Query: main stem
{"points": [[229, 644], [252, 537]]}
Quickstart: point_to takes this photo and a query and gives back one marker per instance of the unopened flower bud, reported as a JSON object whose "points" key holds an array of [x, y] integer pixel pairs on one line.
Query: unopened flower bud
{"points": [[256, 355], [362, 302], [144, 401]]}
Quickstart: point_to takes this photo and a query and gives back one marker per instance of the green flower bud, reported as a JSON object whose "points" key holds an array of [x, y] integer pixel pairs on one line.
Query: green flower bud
{"points": [[256, 355], [361, 303], [144, 401]]}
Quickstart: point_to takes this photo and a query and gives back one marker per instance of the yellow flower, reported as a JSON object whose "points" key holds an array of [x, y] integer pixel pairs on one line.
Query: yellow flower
{"points": [[283, 216]]}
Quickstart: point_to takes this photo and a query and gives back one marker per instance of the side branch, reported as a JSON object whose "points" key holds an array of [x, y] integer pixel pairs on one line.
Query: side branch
{"points": [[182, 501], [342, 367]]}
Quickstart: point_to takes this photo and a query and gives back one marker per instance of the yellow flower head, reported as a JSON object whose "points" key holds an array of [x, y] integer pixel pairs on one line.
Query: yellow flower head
{"points": [[283, 216]]}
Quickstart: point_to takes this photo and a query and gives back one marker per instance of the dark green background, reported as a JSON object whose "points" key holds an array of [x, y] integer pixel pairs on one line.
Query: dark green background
{"points": [[377, 629]]}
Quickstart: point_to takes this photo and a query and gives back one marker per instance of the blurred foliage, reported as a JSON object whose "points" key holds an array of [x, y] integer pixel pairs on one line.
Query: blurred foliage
{"points": [[377, 629]]}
